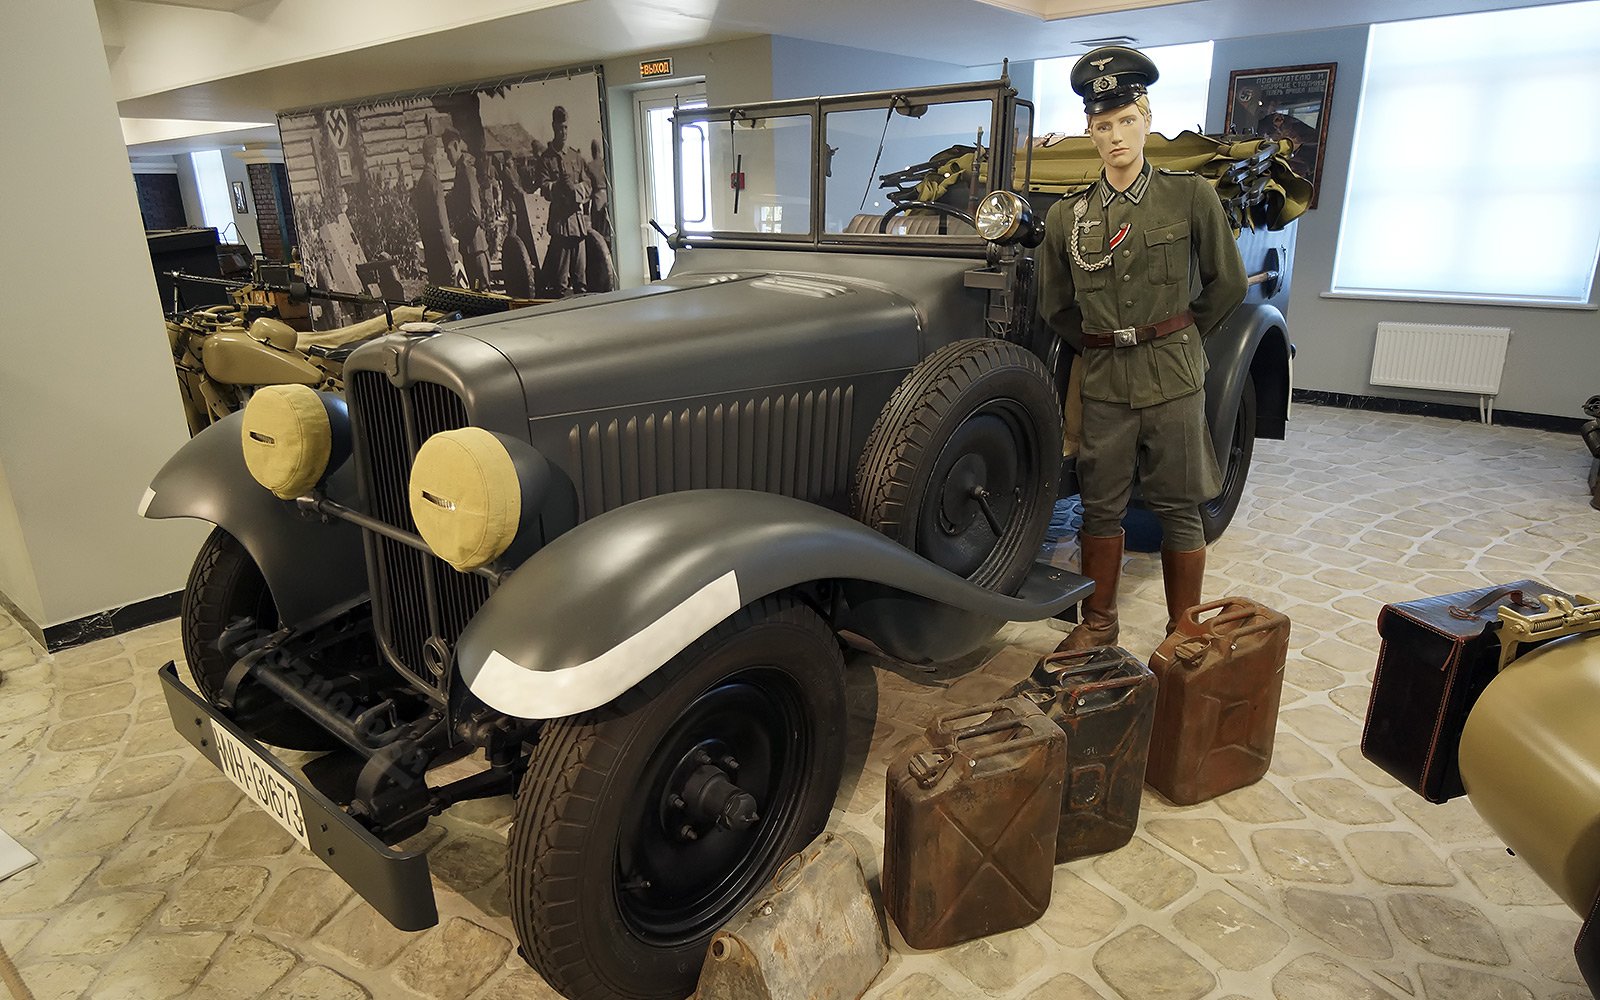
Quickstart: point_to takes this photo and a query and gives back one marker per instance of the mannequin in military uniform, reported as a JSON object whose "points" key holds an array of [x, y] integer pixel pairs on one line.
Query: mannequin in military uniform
{"points": [[1115, 283]]}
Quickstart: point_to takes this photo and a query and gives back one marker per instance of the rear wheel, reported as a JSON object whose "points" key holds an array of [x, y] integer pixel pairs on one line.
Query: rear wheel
{"points": [[961, 465], [227, 598], [644, 826], [1217, 513]]}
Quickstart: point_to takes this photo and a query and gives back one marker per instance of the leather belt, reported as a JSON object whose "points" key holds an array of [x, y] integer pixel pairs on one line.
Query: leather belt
{"points": [[1131, 335]]}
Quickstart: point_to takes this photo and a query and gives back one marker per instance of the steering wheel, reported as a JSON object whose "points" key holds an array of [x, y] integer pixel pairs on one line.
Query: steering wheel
{"points": [[944, 211]]}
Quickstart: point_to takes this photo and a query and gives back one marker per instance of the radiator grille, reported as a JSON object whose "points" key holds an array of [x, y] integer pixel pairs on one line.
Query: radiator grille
{"points": [[1429, 356], [416, 597], [796, 444]]}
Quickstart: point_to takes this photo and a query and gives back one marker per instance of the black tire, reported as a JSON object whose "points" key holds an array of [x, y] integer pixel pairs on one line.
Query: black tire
{"points": [[608, 898], [975, 413], [516, 268], [226, 587], [1217, 513], [439, 298]]}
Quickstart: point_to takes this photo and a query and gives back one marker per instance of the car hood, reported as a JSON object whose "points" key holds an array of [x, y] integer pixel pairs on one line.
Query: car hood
{"points": [[700, 334]]}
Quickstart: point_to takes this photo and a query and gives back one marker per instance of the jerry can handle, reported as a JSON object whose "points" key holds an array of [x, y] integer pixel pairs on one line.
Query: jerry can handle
{"points": [[789, 871], [927, 767], [1100, 687], [1189, 622], [940, 723]]}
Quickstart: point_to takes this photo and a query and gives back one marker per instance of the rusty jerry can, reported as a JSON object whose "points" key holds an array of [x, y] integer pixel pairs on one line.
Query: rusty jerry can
{"points": [[1104, 700], [1217, 708], [970, 831], [815, 935]]}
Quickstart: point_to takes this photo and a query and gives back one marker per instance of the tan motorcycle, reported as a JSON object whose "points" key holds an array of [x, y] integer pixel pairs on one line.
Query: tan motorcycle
{"points": [[224, 352]]}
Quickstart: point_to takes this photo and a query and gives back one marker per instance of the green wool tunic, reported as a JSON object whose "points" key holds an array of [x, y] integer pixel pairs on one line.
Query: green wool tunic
{"points": [[1172, 218], [1136, 254]]}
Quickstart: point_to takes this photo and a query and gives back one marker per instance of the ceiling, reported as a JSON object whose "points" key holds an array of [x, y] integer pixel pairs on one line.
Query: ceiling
{"points": [[964, 32]]}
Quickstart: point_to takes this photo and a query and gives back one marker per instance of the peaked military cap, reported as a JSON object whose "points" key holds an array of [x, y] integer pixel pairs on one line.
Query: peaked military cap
{"points": [[1112, 76]]}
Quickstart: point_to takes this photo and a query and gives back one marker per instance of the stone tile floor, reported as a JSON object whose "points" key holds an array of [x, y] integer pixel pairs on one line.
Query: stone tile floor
{"points": [[1324, 881]]}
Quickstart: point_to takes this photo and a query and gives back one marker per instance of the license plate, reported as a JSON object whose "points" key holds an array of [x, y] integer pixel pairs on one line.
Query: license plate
{"points": [[262, 782]]}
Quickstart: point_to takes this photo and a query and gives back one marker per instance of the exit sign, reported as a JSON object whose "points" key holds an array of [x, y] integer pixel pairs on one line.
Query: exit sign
{"points": [[655, 67]]}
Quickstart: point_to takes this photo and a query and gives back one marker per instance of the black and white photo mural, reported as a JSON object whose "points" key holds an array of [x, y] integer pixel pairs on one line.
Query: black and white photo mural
{"points": [[502, 186]]}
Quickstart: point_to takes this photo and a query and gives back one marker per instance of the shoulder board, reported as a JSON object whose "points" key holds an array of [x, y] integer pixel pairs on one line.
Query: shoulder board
{"points": [[1175, 173]]}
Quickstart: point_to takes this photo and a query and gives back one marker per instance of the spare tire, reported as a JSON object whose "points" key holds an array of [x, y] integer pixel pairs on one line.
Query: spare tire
{"points": [[961, 465]]}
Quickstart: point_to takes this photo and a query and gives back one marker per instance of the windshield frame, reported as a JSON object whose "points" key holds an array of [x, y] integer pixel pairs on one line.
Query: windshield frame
{"points": [[1000, 93]]}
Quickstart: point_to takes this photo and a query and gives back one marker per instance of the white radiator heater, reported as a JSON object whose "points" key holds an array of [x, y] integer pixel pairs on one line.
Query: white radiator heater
{"points": [[1451, 358]]}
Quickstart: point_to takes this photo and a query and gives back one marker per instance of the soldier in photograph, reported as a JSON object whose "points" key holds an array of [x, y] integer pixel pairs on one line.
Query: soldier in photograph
{"points": [[1115, 284], [565, 182], [433, 222], [465, 208]]}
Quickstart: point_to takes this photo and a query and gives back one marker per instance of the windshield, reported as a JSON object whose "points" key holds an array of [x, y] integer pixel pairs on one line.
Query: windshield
{"points": [[883, 160], [859, 169], [746, 176]]}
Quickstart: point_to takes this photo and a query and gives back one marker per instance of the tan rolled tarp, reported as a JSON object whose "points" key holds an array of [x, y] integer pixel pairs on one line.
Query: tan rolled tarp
{"points": [[1254, 181]]}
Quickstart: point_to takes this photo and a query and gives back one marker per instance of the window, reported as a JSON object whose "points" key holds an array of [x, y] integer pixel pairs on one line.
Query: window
{"points": [[1475, 172], [1177, 101], [212, 184]]}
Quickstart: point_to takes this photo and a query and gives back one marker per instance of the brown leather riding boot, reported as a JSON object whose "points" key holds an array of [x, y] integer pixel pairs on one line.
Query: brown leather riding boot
{"points": [[1182, 574], [1101, 558]]}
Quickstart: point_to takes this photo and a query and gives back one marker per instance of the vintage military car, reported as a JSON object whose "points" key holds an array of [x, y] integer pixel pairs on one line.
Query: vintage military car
{"points": [[605, 547]]}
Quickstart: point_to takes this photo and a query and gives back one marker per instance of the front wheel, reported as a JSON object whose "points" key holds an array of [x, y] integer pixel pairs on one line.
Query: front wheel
{"points": [[644, 826], [226, 593]]}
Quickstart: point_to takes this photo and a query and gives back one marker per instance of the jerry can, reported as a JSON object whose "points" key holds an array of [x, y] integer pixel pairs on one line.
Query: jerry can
{"points": [[970, 831], [813, 935], [1104, 700], [1217, 708]]}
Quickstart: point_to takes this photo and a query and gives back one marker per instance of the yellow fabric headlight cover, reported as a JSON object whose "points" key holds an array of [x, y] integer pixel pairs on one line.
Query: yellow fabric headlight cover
{"points": [[287, 439], [466, 497]]}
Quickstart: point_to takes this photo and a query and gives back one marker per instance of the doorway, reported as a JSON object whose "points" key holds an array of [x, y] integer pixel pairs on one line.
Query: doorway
{"points": [[657, 191]]}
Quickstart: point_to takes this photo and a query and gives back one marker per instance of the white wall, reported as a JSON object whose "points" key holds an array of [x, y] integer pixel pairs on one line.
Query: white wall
{"points": [[249, 232], [732, 71], [88, 401], [1554, 364], [17, 580]]}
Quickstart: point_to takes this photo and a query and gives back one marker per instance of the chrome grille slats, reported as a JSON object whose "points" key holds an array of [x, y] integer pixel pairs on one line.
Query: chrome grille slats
{"points": [[415, 596]]}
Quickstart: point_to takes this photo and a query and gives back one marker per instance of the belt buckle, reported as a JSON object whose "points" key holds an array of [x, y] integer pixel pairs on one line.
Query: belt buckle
{"points": [[1125, 337]]}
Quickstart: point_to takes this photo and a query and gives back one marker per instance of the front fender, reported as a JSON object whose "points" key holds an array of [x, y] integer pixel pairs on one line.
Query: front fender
{"points": [[609, 602], [1230, 351], [311, 567]]}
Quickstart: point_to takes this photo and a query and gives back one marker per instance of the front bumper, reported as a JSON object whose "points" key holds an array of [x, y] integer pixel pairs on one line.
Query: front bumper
{"points": [[395, 883]]}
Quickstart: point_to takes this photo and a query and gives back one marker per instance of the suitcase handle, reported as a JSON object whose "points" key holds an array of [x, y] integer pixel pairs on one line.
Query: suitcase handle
{"points": [[1511, 595]]}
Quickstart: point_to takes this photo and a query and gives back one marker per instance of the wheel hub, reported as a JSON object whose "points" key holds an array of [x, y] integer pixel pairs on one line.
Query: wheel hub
{"points": [[978, 477], [702, 795]]}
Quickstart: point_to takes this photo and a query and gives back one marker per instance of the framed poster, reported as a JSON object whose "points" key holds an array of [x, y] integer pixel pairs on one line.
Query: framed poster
{"points": [[1289, 103], [240, 204]]}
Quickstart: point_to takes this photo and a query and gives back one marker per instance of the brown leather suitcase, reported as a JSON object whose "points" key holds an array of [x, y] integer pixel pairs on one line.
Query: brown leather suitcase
{"points": [[970, 830], [1104, 700], [1220, 679], [1437, 656]]}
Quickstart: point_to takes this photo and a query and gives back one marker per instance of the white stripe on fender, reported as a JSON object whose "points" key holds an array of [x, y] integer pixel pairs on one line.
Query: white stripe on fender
{"points": [[528, 693], [149, 498]]}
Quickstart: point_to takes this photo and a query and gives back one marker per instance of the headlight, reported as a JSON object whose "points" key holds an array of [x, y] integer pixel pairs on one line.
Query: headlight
{"points": [[1002, 216], [292, 436], [469, 491]]}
